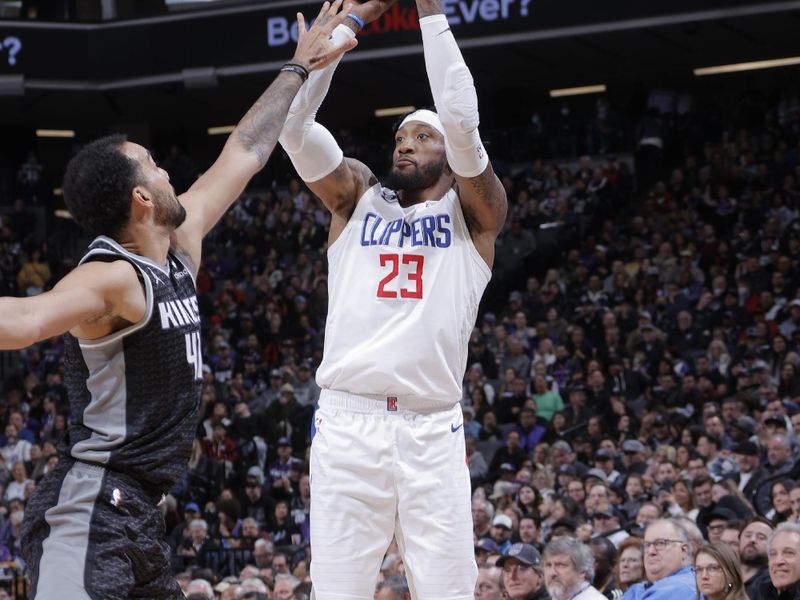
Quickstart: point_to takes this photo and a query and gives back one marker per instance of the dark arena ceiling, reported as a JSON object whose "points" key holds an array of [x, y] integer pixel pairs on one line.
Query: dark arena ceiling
{"points": [[202, 67]]}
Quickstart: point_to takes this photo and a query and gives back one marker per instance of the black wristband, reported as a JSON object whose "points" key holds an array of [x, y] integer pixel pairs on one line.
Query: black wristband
{"points": [[296, 68]]}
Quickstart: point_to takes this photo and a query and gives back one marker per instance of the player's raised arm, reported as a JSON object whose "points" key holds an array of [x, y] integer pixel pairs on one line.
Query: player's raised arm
{"points": [[251, 143], [482, 196], [83, 300], [339, 182]]}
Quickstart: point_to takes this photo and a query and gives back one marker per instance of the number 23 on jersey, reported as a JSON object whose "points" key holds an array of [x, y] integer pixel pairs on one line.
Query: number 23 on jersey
{"points": [[403, 276]]}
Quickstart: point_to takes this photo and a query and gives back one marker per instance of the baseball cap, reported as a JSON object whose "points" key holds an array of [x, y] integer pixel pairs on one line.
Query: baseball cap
{"points": [[632, 446], [721, 513], [287, 388], [745, 423], [508, 467], [255, 471], [502, 521], [795, 302], [524, 553], [568, 470], [645, 315], [595, 473], [486, 545], [603, 454], [191, 506], [515, 296], [747, 448], [284, 441]]}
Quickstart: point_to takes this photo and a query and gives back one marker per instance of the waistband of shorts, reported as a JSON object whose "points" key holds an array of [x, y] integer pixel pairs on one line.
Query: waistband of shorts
{"points": [[379, 404]]}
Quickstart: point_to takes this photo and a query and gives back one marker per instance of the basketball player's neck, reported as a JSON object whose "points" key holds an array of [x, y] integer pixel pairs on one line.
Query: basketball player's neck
{"points": [[147, 240]]}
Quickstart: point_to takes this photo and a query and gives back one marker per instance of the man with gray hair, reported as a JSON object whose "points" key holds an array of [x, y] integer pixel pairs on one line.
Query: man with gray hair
{"points": [[667, 564], [569, 570], [783, 554], [284, 586]]}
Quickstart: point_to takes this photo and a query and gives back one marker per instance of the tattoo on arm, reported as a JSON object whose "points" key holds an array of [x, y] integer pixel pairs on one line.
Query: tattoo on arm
{"points": [[426, 8], [259, 129]]}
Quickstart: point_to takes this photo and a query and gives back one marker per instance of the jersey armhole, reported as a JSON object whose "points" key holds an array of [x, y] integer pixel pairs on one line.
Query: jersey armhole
{"points": [[98, 255]]}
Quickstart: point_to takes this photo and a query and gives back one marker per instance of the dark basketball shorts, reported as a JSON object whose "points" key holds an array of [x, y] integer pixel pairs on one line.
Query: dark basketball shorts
{"points": [[93, 533]]}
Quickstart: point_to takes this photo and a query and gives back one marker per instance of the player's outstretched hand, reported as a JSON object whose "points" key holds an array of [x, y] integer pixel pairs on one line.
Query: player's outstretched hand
{"points": [[369, 10], [314, 47]]}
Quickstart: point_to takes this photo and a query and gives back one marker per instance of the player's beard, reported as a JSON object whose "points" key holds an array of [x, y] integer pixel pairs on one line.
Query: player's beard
{"points": [[417, 178], [169, 211]]}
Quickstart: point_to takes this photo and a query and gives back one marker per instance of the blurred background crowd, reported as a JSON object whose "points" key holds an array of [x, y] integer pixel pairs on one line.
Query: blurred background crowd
{"points": [[636, 357]]}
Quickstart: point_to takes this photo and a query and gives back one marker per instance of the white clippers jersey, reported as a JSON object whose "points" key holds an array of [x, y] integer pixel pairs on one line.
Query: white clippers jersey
{"points": [[404, 289]]}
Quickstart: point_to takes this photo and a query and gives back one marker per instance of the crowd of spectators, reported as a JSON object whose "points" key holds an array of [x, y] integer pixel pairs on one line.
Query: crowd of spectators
{"points": [[633, 378]]}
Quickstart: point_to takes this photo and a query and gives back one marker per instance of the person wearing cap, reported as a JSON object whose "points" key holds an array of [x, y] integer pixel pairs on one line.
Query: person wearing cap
{"points": [[254, 501], [605, 524], [743, 428], [181, 531], [667, 564], [523, 577], [569, 570], [604, 461], [501, 531], [280, 485], [751, 474], [483, 548], [633, 457], [718, 518]]}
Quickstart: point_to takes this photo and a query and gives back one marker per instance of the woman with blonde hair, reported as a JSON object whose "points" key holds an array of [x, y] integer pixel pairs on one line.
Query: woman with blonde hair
{"points": [[718, 356], [717, 574]]}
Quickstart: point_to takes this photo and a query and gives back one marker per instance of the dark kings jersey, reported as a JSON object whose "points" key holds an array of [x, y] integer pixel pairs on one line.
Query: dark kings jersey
{"points": [[134, 395]]}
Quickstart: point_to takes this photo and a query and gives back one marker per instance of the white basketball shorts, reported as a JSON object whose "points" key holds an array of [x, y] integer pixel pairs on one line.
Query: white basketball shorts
{"points": [[379, 471]]}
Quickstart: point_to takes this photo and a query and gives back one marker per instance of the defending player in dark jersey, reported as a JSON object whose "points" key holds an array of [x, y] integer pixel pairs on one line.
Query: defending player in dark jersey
{"points": [[133, 359]]}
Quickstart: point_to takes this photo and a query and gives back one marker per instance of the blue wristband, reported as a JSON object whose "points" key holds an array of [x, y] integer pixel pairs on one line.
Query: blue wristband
{"points": [[359, 21]]}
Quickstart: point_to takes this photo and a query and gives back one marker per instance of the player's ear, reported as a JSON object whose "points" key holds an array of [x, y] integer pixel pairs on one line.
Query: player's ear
{"points": [[139, 194]]}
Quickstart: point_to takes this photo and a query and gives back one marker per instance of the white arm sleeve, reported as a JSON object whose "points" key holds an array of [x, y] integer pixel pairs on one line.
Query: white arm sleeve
{"points": [[311, 148], [455, 97]]}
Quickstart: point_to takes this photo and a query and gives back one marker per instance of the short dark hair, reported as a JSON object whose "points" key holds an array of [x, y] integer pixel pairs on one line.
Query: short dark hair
{"points": [[701, 480], [98, 184], [711, 438]]}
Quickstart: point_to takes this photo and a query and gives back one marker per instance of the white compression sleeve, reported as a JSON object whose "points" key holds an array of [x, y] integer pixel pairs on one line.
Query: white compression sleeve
{"points": [[455, 97], [311, 148]]}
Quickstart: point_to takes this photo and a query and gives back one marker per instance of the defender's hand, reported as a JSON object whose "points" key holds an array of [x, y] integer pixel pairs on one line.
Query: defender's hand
{"points": [[314, 47]]}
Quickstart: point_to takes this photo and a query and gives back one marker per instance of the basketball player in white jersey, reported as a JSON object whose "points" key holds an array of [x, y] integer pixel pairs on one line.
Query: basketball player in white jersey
{"points": [[408, 265]]}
